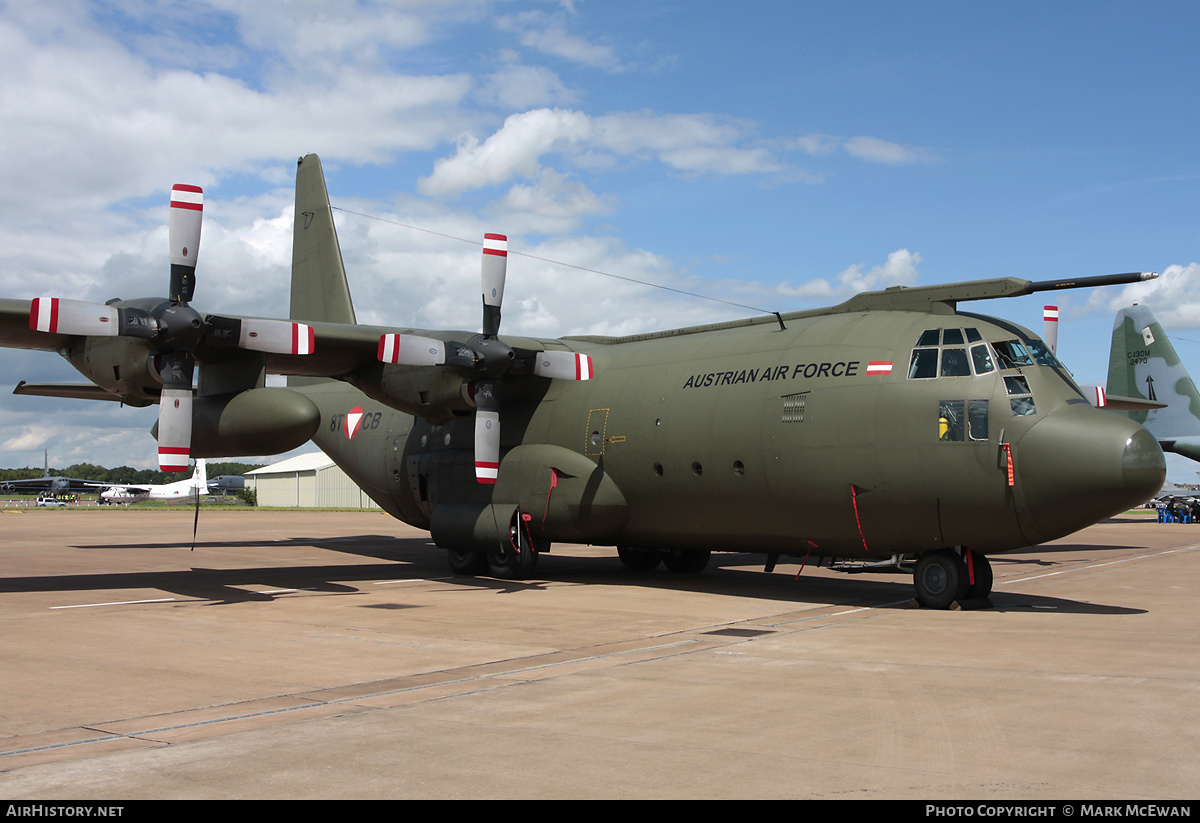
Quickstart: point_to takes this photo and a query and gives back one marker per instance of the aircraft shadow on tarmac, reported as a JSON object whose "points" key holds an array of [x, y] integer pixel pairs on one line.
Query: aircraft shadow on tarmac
{"points": [[741, 575], [730, 574]]}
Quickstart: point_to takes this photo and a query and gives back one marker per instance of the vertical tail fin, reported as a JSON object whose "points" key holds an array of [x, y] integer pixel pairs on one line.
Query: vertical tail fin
{"points": [[319, 289], [1143, 363], [200, 476]]}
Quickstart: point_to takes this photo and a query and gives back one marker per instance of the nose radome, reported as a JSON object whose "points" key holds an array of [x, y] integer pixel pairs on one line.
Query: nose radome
{"points": [[1080, 465], [1143, 465]]}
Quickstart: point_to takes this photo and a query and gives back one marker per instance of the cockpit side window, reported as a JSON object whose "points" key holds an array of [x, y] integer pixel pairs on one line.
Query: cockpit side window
{"points": [[924, 364], [1041, 354], [1012, 354], [1020, 399]]}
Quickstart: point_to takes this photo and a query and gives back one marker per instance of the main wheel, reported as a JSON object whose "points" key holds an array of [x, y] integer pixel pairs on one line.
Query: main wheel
{"points": [[940, 578], [688, 561], [638, 559], [982, 586], [515, 558], [468, 563]]}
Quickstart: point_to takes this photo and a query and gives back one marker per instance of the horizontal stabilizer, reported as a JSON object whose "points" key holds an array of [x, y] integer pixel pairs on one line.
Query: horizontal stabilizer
{"points": [[76, 391], [1116, 402]]}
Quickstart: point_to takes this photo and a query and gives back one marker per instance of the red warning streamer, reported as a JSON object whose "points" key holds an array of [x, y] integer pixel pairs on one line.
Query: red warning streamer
{"points": [[550, 491], [857, 521], [1012, 481]]}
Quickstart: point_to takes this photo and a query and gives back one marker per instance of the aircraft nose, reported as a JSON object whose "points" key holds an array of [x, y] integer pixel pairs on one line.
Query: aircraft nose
{"points": [[1143, 465], [1080, 465]]}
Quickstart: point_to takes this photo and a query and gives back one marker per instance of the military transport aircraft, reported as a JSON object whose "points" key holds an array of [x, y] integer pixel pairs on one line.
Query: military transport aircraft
{"points": [[181, 491], [891, 431], [46, 483]]}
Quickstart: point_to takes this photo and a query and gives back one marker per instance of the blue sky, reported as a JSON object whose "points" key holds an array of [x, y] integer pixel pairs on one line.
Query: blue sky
{"points": [[779, 155]]}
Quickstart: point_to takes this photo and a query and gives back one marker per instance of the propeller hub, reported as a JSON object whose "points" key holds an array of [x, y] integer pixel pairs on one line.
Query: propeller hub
{"points": [[180, 326], [494, 358]]}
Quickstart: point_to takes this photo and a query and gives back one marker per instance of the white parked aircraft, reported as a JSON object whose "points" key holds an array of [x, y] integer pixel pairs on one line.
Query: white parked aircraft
{"points": [[182, 491]]}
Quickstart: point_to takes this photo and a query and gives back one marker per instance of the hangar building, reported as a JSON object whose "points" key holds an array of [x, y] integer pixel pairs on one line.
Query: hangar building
{"points": [[307, 481]]}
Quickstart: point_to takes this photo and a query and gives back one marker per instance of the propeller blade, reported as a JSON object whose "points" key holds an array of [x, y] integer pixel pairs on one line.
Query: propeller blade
{"points": [[187, 212], [175, 430], [271, 336], [563, 365], [59, 316], [1050, 327], [411, 350], [495, 263], [175, 412], [487, 446], [487, 434]]}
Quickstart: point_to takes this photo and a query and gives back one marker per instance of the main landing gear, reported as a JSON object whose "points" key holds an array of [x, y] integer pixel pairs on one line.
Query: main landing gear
{"points": [[512, 559], [945, 577]]}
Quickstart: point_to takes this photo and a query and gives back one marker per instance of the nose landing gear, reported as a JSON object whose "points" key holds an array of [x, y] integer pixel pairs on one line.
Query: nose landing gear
{"points": [[945, 577]]}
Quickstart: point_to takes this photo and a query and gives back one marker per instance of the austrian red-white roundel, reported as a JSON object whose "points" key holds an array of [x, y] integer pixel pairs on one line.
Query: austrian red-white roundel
{"points": [[353, 421]]}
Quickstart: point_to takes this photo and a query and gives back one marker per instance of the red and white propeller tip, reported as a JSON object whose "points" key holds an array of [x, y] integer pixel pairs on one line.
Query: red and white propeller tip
{"points": [[55, 315], [186, 217], [411, 350], [277, 337], [563, 365], [487, 446], [175, 430], [1050, 327], [492, 273]]}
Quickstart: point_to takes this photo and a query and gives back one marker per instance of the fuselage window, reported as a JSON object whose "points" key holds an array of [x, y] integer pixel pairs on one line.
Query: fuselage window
{"points": [[973, 336], [952, 337], [977, 419], [950, 421], [929, 337], [954, 426]]}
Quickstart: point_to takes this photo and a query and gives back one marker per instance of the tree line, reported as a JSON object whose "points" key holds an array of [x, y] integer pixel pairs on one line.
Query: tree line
{"points": [[125, 475]]}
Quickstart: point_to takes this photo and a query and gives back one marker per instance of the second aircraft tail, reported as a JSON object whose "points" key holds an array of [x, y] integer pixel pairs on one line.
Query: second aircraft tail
{"points": [[1143, 363]]}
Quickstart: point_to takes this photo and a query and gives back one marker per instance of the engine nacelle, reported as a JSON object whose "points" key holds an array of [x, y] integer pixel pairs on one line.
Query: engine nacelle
{"points": [[252, 422]]}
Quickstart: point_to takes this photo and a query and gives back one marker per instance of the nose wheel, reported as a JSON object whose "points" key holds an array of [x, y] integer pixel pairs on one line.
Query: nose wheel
{"points": [[945, 577]]}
